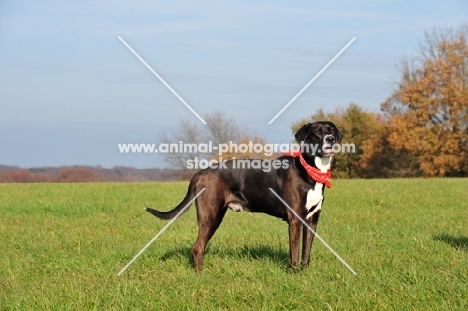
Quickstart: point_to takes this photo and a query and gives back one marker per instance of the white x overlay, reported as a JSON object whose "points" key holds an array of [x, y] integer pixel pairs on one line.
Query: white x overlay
{"points": [[313, 79], [313, 231], [162, 80], [160, 232]]}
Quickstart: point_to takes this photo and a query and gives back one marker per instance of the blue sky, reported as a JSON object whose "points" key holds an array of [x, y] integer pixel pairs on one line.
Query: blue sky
{"points": [[70, 91]]}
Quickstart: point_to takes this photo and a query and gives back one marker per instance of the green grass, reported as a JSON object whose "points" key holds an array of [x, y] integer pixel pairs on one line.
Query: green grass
{"points": [[62, 246]]}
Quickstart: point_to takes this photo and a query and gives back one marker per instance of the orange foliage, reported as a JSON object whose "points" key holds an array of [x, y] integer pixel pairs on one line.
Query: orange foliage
{"points": [[429, 109]]}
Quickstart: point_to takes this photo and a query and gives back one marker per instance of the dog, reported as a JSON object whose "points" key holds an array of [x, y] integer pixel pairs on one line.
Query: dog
{"points": [[299, 181]]}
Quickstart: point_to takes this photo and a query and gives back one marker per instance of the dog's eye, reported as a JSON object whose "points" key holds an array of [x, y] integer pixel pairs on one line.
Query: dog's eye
{"points": [[318, 132], [332, 130]]}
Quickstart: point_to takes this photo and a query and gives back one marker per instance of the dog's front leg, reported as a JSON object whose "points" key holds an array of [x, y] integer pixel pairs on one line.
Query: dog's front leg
{"points": [[294, 241], [308, 238]]}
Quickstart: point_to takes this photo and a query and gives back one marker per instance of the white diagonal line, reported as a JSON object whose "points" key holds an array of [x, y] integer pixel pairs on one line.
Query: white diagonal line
{"points": [[162, 80], [159, 233], [312, 230], [313, 79]]}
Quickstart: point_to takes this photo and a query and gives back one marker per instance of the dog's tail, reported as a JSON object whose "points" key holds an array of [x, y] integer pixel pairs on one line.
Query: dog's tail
{"points": [[171, 214]]}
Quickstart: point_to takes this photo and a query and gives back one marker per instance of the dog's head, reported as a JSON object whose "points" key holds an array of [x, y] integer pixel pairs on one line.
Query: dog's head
{"points": [[320, 137]]}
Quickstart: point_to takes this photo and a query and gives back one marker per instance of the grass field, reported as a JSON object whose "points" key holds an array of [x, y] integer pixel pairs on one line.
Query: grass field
{"points": [[62, 246]]}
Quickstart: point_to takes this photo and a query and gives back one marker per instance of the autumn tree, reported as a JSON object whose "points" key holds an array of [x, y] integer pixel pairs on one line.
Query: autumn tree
{"points": [[379, 158], [428, 110]]}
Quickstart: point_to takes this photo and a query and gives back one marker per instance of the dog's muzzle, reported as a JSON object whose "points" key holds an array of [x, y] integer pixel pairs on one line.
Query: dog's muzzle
{"points": [[327, 147]]}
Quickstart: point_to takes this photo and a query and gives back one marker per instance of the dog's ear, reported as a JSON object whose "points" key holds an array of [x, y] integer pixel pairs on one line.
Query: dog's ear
{"points": [[303, 133], [339, 135]]}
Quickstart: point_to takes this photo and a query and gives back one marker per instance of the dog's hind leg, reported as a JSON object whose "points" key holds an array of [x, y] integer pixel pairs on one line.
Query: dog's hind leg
{"points": [[308, 238], [210, 213]]}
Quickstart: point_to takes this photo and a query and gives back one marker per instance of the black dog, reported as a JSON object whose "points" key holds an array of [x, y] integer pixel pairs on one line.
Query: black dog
{"points": [[299, 180]]}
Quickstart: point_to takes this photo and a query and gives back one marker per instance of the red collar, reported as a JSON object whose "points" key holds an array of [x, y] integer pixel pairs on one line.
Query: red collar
{"points": [[314, 173]]}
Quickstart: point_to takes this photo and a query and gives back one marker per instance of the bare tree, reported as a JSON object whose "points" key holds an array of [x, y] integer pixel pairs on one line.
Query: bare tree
{"points": [[222, 129], [219, 129]]}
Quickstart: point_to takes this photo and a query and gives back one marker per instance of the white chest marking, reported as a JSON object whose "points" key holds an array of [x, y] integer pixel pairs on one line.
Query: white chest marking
{"points": [[315, 196]]}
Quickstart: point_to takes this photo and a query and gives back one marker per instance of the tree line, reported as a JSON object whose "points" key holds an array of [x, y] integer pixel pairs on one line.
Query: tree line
{"points": [[84, 174]]}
